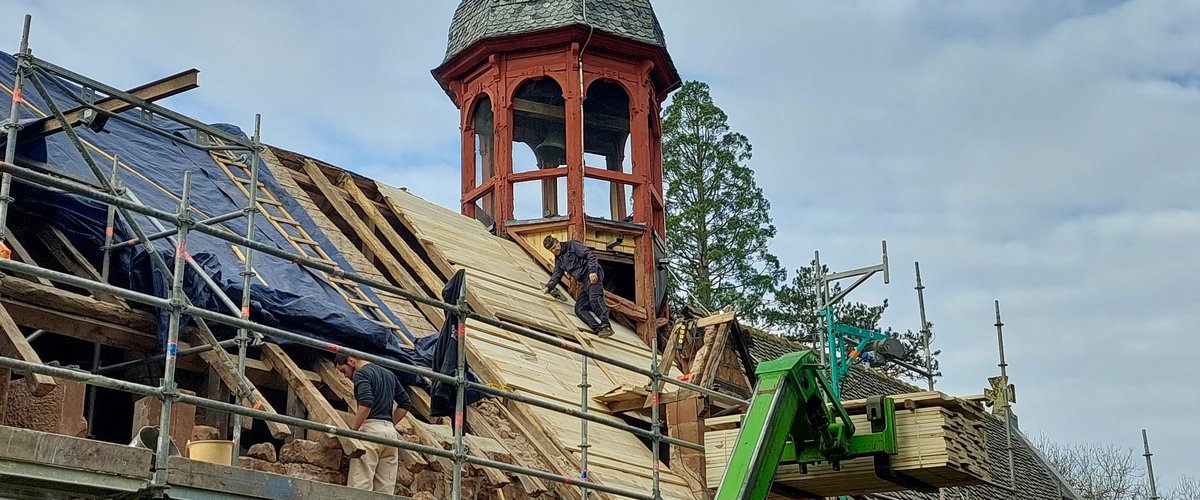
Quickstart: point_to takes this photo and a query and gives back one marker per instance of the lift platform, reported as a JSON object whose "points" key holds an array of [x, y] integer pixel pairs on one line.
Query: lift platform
{"points": [[794, 418]]}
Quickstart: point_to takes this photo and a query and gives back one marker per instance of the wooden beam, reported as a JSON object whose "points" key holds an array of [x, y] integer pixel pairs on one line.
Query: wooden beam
{"points": [[538, 174], [716, 319], [5, 378], [335, 381], [215, 389], [557, 112], [82, 326], [533, 486], [390, 265], [442, 265], [60, 311], [65, 252], [153, 91], [544, 441], [23, 255], [713, 360], [478, 191], [318, 407], [621, 178], [427, 276], [295, 408], [278, 430], [13, 344]]}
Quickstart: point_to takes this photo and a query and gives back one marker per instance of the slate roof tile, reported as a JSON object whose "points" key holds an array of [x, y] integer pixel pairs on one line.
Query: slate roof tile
{"points": [[476, 20]]}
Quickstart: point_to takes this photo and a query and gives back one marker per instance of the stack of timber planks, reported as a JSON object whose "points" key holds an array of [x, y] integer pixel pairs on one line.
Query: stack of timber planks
{"points": [[940, 439]]}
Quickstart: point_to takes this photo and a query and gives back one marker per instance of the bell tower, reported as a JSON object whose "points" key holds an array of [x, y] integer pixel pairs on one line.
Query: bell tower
{"points": [[560, 103]]}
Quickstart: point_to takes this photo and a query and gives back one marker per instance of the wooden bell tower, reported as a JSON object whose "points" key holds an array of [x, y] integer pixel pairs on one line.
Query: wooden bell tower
{"points": [[560, 103]]}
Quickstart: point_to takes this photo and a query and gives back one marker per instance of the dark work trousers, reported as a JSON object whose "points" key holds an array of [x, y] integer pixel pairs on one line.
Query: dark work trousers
{"points": [[589, 304]]}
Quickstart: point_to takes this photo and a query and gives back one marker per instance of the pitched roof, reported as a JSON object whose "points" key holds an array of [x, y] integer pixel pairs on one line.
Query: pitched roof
{"points": [[1036, 477], [476, 20]]}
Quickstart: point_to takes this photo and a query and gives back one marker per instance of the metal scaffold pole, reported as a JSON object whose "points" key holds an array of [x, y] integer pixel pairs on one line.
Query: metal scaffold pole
{"points": [[1012, 473], [655, 391], [243, 336], [1149, 467], [129, 203], [12, 126], [583, 424], [925, 332], [822, 337], [105, 270], [169, 389], [460, 381]]}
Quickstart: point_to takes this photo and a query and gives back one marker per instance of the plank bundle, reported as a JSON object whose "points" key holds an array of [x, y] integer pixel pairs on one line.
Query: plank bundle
{"points": [[940, 441]]}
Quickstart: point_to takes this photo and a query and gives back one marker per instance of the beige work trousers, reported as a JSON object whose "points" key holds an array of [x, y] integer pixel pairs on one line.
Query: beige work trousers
{"points": [[376, 468]]}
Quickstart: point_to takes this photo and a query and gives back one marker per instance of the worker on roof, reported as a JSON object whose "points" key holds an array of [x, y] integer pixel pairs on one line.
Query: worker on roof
{"points": [[578, 261], [375, 389]]}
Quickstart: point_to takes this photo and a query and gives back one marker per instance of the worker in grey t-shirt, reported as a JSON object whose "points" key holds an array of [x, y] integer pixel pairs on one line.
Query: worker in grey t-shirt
{"points": [[375, 389]]}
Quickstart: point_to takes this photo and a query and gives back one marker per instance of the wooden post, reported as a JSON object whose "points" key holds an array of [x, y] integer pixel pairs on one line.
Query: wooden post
{"points": [[215, 389], [684, 422], [502, 136], [5, 378], [295, 409], [573, 112]]}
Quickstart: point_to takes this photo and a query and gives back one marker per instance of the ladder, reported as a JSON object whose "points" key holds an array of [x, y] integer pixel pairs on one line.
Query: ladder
{"points": [[235, 166]]}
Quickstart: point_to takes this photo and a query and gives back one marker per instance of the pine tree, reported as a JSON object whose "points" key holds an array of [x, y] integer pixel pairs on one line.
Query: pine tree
{"points": [[718, 219]]}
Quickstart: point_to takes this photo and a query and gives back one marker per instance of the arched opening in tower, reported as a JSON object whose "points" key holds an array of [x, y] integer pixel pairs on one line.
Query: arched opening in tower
{"points": [[606, 145], [482, 124], [539, 122]]}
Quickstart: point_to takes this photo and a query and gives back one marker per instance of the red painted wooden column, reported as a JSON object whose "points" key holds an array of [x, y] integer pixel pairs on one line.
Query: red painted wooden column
{"points": [[643, 213], [502, 114], [468, 154], [574, 143]]}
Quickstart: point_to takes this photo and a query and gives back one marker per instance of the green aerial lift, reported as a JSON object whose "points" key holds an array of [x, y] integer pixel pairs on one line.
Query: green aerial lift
{"points": [[795, 418]]}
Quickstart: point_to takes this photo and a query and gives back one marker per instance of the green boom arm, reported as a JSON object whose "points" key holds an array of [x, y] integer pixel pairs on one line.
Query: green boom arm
{"points": [[793, 417]]}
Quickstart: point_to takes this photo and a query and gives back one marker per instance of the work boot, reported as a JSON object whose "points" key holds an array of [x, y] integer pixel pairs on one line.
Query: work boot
{"points": [[605, 332]]}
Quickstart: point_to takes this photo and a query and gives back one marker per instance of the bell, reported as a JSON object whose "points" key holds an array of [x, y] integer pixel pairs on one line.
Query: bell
{"points": [[552, 150]]}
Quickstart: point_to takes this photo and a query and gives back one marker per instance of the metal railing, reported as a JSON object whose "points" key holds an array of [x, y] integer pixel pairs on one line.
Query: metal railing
{"points": [[123, 203]]}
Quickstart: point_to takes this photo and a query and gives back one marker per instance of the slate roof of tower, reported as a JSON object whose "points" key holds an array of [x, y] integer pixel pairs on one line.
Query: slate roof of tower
{"points": [[476, 20]]}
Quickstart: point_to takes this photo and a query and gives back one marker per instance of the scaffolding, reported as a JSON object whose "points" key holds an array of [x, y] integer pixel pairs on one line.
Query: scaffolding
{"points": [[176, 226]]}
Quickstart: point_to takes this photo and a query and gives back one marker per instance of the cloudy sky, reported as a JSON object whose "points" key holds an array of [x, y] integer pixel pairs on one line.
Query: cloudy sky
{"points": [[1041, 153]]}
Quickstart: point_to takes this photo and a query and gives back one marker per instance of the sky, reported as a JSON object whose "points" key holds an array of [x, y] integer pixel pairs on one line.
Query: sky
{"points": [[1039, 153]]}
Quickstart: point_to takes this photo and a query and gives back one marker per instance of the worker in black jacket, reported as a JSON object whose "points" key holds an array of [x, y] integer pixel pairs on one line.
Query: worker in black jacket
{"points": [[578, 261]]}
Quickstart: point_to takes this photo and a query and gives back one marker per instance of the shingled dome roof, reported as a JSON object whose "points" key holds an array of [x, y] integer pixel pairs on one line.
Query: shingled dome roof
{"points": [[476, 20]]}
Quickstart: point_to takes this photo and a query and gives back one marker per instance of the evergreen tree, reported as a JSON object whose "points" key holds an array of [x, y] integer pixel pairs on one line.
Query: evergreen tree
{"points": [[718, 219]]}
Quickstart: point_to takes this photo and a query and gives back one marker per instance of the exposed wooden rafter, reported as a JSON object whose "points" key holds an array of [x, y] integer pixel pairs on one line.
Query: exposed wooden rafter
{"points": [[153, 91], [318, 407], [385, 260], [69, 257], [24, 256], [13, 343], [230, 378]]}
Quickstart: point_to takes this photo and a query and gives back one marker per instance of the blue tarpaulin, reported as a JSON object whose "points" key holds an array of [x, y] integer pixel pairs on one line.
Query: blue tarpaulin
{"points": [[152, 167]]}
